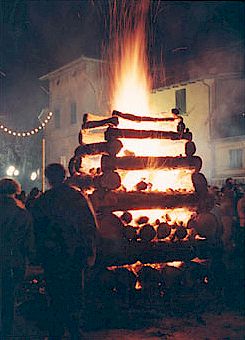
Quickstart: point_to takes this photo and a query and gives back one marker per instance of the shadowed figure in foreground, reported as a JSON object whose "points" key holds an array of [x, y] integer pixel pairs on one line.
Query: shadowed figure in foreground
{"points": [[16, 250], [65, 231]]}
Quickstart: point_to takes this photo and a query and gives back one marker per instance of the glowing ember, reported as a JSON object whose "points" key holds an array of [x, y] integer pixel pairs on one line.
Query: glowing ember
{"points": [[172, 216], [158, 180], [153, 147]]}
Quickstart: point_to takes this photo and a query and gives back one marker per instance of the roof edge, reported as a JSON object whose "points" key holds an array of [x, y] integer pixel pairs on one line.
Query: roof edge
{"points": [[69, 65]]}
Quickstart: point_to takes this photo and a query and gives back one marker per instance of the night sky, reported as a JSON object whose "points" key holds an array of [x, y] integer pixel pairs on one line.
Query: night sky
{"points": [[40, 36]]}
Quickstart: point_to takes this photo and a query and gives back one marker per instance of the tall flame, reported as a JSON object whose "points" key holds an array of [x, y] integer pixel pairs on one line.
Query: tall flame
{"points": [[131, 82]]}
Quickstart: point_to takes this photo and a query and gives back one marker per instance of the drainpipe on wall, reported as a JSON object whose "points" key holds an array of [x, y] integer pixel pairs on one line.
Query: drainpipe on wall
{"points": [[212, 149]]}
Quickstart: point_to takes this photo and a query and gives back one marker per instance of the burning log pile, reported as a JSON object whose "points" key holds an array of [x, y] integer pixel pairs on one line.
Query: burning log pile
{"points": [[144, 198]]}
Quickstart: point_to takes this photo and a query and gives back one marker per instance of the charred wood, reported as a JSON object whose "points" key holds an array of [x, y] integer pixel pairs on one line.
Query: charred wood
{"points": [[147, 232], [152, 252], [190, 148], [163, 230], [130, 232], [200, 183], [111, 227], [138, 163], [142, 220], [116, 201], [74, 165], [141, 118], [110, 180], [126, 217], [98, 123], [180, 232], [112, 133], [111, 148], [91, 149]]}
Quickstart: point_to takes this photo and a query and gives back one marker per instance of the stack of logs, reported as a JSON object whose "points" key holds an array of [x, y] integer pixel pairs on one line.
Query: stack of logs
{"points": [[109, 196]]}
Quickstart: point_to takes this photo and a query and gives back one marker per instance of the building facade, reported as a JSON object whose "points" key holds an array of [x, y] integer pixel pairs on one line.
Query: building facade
{"points": [[213, 109], [209, 90], [74, 89]]}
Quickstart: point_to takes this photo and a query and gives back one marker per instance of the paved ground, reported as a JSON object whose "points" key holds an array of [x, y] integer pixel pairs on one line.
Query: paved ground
{"points": [[226, 326], [215, 327]]}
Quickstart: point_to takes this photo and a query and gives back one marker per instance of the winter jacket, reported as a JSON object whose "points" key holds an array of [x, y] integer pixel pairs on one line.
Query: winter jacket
{"points": [[16, 236], [65, 228]]}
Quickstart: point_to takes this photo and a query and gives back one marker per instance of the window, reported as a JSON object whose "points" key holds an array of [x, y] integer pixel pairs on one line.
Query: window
{"points": [[180, 101], [57, 118], [235, 158], [73, 113]]}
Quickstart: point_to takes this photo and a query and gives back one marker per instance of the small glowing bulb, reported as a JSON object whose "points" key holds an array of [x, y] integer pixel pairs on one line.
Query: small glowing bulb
{"points": [[19, 134], [33, 176], [23, 134], [10, 132], [5, 129], [28, 133], [36, 130], [40, 128], [10, 170], [14, 133], [1, 126], [43, 124], [16, 172]]}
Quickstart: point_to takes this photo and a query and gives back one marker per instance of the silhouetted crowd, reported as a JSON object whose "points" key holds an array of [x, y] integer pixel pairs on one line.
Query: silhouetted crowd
{"points": [[64, 228], [57, 231]]}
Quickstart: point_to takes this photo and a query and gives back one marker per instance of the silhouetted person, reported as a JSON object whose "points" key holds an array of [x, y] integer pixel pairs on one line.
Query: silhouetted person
{"points": [[34, 194], [16, 243], [241, 228], [22, 196], [65, 232]]}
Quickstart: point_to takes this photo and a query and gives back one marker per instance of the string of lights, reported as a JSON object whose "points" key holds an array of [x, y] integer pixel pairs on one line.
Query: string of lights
{"points": [[29, 133]]}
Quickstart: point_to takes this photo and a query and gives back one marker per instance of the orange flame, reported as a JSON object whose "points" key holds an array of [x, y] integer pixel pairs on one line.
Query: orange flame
{"points": [[131, 81]]}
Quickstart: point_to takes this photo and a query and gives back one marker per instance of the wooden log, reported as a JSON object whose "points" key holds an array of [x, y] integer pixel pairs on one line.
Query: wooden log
{"points": [[190, 148], [130, 233], [180, 232], [111, 148], [200, 183], [147, 232], [98, 123], [120, 201], [142, 118], [110, 180], [80, 137], [188, 134], [142, 220], [141, 186], [114, 133], [126, 281], [154, 252], [81, 181], [163, 230], [91, 149], [172, 276], [110, 227], [164, 251], [74, 165], [150, 279], [126, 217], [114, 146], [138, 163]]}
